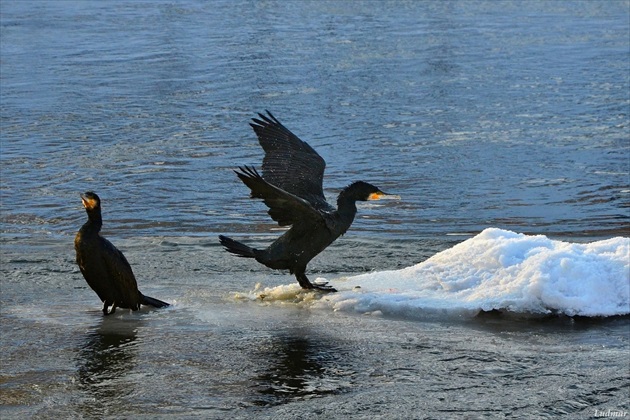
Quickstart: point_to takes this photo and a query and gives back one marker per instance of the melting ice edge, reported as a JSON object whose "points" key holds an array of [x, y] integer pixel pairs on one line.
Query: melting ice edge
{"points": [[497, 269]]}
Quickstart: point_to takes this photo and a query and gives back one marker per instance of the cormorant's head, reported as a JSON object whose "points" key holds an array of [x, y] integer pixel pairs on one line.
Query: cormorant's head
{"points": [[363, 191], [91, 201]]}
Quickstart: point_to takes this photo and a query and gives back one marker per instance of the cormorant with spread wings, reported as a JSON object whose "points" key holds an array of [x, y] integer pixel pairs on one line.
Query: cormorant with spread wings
{"points": [[291, 186]]}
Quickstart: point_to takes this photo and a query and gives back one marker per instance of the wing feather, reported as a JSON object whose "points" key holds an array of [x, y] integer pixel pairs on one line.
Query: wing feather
{"points": [[121, 274], [284, 207], [290, 163]]}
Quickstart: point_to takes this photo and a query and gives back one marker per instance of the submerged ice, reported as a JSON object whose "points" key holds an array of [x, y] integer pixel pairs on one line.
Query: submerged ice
{"points": [[497, 269]]}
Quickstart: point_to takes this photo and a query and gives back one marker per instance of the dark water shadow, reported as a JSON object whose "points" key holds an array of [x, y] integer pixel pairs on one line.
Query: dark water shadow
{"points": [[500, 322], [299, 365], [104, 361]]}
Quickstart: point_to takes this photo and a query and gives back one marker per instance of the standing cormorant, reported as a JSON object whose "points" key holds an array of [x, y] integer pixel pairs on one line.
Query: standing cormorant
{"points": [[104, 267], [291, 186]]}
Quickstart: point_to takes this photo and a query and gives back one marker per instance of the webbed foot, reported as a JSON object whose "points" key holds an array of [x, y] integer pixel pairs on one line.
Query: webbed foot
{"points": [[306, 284], [106, 310], [323, 287]]}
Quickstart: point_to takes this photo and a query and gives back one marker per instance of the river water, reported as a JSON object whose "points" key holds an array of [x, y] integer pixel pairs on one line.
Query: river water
{"points": [[505, 115]]}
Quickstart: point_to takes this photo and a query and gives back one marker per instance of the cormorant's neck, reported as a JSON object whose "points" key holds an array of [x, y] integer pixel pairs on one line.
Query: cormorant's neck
{"points": [[95, 221], [346, 204]]}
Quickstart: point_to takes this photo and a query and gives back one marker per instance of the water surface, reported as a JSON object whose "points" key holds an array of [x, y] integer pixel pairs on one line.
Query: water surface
{"points": [[479, 114]]}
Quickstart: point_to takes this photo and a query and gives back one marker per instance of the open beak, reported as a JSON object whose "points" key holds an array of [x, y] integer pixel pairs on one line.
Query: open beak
{"points": [[380, 195], [88, 203], [84, 200]]}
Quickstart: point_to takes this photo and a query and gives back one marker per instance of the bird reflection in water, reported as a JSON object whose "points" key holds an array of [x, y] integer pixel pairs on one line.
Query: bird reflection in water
{"points": [[299, 367], [104, 362]]}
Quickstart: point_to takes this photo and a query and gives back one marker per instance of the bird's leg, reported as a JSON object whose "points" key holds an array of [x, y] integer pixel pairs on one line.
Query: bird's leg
{"points": [[106, 306], [303, 280], [306, 284]]}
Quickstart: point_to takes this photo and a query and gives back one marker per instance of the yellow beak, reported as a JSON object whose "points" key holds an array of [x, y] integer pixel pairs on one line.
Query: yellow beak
{"points": [[380, 195]]}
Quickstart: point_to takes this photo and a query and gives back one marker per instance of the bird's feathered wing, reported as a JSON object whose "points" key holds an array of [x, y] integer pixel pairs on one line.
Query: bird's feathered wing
{"points": [[119, 268], [284, 207], [290, 164]]}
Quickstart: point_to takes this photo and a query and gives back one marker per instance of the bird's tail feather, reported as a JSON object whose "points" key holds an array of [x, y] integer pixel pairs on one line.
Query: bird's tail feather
{"points": [[236, 247], [146, 300]]}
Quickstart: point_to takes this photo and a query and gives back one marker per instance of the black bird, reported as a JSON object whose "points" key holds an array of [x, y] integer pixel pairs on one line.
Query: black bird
{"points": [[104, 267], [291, 186]]}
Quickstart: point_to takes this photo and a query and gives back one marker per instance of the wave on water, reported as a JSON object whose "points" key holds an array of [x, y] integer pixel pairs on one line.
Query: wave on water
{"points": [[495, 270]]}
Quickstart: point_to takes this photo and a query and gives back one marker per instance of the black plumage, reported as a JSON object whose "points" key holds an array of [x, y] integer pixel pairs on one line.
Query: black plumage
{"points": [[104, 267], [291, 185]]}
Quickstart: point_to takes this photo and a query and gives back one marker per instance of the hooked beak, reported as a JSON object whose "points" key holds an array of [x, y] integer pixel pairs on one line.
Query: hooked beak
{"points": [[380, 195], [84, 199], [88, 203]]}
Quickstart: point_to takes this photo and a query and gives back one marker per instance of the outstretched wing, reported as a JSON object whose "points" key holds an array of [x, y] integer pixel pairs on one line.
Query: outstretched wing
{"points": [[284, 207], [289, 163]]}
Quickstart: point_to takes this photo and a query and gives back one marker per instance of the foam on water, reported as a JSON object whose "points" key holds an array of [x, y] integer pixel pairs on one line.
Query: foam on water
{"points": [[497, 269]]}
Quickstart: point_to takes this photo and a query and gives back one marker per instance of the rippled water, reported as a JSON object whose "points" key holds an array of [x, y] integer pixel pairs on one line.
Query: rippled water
{"points": [[479, 114]]}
